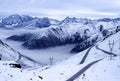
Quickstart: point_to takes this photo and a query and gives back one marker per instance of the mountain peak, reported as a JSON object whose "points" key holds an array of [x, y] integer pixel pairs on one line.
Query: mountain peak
{"points": [[69, 20]]}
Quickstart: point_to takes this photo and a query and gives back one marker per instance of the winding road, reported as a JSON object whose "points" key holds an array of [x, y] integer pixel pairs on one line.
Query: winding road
{"points": [[20, 56], [106, 52], [79, 73], [85, 56], [75, 76]]}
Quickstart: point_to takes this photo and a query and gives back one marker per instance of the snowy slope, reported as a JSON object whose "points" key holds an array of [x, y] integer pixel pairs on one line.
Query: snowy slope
{"points": [[100, 71], [9, 54], [106, 70], [8, 73]]}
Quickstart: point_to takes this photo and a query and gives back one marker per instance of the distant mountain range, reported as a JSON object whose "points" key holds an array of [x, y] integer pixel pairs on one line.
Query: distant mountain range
{"points": [[80, 31], [25, 21]]}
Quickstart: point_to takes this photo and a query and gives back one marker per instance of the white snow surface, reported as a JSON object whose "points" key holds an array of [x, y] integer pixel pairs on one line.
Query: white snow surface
{"points": [[8, 73], [7, 53], [104, 70]]}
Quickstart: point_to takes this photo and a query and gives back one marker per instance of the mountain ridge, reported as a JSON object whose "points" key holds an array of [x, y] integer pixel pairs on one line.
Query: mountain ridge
{"points": [[68, 31]]}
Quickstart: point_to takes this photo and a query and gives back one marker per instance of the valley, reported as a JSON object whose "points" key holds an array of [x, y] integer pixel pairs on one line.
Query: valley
{"points": [[73, 49], [40, 55]]}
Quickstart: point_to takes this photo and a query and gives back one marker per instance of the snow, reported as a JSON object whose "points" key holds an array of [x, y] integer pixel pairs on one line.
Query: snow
{"points": [[8, 73], [104, 70], [7, 53], [68, 65]]}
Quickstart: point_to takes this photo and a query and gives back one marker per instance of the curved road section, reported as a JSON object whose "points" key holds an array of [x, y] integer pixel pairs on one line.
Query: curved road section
{"points": [[85, 56], [79, 73], [106, 51]]}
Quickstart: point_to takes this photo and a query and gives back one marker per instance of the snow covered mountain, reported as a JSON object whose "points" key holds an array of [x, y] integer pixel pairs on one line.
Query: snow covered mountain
{"points": [[25, 21], [53, 36], [69, 31]]}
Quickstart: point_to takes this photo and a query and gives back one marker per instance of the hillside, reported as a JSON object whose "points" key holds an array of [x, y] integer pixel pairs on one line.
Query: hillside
{"points": [[104, 69], [98, 65]]}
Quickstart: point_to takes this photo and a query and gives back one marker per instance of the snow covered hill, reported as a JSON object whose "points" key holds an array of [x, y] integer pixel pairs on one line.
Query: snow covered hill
{"points": [[9, 54]]}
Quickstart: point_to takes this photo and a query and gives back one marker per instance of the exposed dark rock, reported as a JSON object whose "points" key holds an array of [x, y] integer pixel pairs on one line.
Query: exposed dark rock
{"points": [[105, 32], [40, 77], [101, 28], [23, 37], [13, 65], [118, 29], [84, 45]]}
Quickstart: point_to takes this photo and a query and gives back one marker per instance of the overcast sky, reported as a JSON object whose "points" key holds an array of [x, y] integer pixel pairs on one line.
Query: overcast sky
{"points": [[61, 8]]}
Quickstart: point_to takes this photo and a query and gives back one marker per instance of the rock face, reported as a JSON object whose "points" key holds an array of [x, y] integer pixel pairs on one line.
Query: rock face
{"points": [[86, 44], [83, 32]]}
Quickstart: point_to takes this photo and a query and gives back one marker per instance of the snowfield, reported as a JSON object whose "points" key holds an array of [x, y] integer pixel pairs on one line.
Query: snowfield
{"points": [[103, 70], [8, 73]]}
